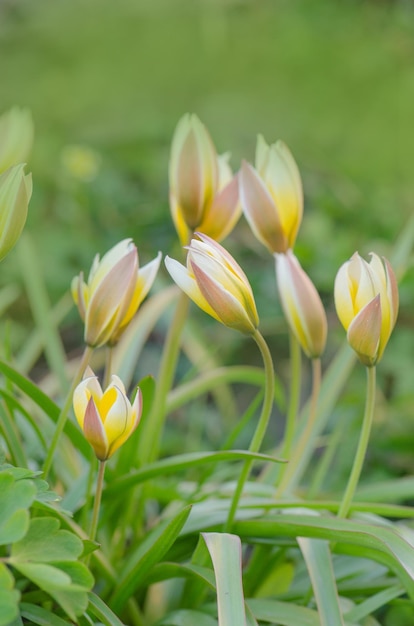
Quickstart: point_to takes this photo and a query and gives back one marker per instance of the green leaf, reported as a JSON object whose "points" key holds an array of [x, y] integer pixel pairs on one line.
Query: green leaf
{"points": [[11, 435], [174, 464], [98, 608], [66, 581], [375, 602], [9, 597], [15, 500], [225, 552], [46, 543], [187, 618], [319, 564], [71, 596], [149, 552], [283, 613], [41, 616], [374, 541]]}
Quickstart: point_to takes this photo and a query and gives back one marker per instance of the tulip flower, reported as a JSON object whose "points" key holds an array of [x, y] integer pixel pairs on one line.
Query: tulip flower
{"points": [[301, 304], [15, 193], [216, 283], [115, 288], [271, 196], [366, 300], [203, 191], [16, 137], [107, 418]]}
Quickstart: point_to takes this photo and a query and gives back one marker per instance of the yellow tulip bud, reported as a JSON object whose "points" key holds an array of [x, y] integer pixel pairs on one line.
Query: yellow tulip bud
{"points": [[15, 193], [115, 288], [271, 196], [203, 191], [16, 137], [301, 304], [216, 283], [366, 301], [106, 418]]}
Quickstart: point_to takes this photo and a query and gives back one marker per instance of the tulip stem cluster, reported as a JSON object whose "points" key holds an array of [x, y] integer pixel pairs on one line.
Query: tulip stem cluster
{"points": [[150, 440], [297, 453], [261, 427], [362, 444], [63, 415], [294, 398]]}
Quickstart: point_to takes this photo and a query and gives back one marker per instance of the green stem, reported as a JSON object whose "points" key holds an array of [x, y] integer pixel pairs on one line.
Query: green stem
{"points": [[108, 366], [61, 421], [362, 444], [307, 432], [295, 384], [150, 441], [97, 501], [261, 427]]}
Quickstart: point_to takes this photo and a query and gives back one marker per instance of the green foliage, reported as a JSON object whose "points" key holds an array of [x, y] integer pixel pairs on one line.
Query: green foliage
{"points": [[35, 551], [115, 78]]}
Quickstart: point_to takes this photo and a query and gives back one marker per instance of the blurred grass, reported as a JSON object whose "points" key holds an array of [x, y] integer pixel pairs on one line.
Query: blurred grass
{"points": [[334, 80]]}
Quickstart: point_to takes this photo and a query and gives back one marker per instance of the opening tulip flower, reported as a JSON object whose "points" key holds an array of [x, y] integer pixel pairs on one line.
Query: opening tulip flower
{"points": [[203, 191], [106, 418], [366, 300], [115, 288], [15, 194], [216, 283], [271, 196], [301, 304]]}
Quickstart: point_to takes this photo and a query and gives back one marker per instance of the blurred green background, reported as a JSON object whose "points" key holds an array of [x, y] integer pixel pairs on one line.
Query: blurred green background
{"points": [[107, 82]]}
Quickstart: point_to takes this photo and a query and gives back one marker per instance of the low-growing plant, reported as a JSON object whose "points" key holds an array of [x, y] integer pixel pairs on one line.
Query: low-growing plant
{"points": [[119, 515]]}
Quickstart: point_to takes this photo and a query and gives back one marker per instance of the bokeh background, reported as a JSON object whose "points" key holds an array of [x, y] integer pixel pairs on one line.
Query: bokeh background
{"points": [[107, 82]]}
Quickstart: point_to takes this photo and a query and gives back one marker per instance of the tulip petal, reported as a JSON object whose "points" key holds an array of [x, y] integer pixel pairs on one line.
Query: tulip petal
{"points": [[260, 210], [365, 330], [230, 310], [285, 185], [94, 431], [301, 304], [223, 213], [107, 303], [134, 416], [188, 284]]}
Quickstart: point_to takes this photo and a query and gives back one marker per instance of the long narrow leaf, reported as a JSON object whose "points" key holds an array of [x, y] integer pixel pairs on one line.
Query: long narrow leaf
{"points": [[319, 564], [174, 464], [149, 552], [98, 608], [225, 552], [377, 540]]}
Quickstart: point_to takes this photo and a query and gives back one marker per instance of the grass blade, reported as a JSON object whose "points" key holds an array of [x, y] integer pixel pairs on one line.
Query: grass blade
{"points": [[225, 552]]}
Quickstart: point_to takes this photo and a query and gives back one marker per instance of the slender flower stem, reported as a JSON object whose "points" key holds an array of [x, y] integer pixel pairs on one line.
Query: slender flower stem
{"points": [[61, 421], [261, 427], [108, 366], [150, 440], [307, 432], [362, 444], [295, 385], [97, 501]]}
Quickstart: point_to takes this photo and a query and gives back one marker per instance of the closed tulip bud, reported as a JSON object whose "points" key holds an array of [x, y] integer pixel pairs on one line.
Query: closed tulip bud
{"points": [[216, 283], [115, 288], [107, 418], [15, 193], [16, 137], [271, 196], [203, 191], [301, 304], [366, 301]]}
